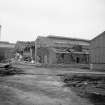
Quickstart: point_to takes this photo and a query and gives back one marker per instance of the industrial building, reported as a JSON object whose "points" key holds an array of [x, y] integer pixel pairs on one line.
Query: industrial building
{"points": [[6, 50], [26, 49], [97, 52], [61, 50]]}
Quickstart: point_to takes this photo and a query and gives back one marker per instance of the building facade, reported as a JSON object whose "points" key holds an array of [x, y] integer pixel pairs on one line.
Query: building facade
{"points": [[26, 49], [61, 50], [98, 52], [6, 50]]}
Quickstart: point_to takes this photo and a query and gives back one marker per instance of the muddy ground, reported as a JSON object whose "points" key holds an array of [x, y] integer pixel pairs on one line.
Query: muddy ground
{"points": [[38, 86], [87, 86]]}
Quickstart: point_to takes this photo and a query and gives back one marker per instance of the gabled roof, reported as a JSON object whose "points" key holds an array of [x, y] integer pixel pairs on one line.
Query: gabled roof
{"points": [[103, 33]]}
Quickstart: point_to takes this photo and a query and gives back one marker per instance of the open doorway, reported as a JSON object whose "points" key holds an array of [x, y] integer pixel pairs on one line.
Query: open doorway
{"points": [[77, 60]]}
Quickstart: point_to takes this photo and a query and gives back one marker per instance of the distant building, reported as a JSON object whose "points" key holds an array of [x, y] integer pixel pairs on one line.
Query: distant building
{"points": [[6, 50], [26, 48], [0, 31], [98, 52], [61, 50]]}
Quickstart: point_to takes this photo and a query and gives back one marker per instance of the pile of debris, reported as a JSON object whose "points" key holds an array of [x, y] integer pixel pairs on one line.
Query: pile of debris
{"points": [[8, 69], [87, 86], [94, 84]]}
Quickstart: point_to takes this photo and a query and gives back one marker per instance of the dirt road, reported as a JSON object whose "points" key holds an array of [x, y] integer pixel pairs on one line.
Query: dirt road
{"points": [[37, 90]]}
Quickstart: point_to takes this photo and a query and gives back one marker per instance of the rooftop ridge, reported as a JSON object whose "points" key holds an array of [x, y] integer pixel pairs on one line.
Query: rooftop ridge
{"points": [[67, 38], [100, 34]]}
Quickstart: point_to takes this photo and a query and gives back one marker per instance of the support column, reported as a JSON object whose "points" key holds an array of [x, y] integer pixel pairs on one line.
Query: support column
{"points": [[31, 51], [35, 52]]}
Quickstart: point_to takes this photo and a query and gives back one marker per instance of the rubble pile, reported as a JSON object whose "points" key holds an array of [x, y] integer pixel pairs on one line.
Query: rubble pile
{"points": [[8, 69], [88, 86], [85, 84]]}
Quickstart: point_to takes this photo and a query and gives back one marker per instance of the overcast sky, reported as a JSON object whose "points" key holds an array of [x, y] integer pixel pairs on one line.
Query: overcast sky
{"points": [[26, 19]]}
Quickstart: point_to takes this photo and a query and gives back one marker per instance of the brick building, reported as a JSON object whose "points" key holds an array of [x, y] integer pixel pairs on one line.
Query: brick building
{"points": [[61, 50]]}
